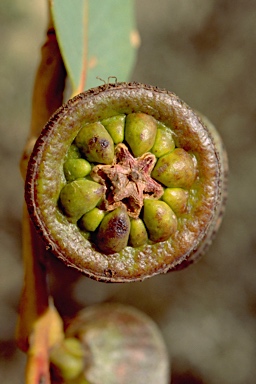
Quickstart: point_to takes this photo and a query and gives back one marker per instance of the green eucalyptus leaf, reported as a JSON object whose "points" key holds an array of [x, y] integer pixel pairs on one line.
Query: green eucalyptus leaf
{"points": [[97, 39], [70, 21], [110, 48]]}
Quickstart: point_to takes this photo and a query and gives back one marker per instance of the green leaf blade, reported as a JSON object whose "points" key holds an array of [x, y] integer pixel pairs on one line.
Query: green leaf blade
{"points": [[70, 19], [110, 49], [97, 39]]}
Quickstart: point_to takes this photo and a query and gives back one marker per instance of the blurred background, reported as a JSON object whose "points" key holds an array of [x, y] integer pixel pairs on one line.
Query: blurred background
{"points": [[205, 52]]}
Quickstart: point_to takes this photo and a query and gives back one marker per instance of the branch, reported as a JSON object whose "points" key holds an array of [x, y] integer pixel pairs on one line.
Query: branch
{"points": [[48, 91], [37, 319]]}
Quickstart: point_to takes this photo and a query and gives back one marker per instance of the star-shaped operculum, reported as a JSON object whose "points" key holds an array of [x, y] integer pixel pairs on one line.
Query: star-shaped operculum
{"points": [[127, 180]]}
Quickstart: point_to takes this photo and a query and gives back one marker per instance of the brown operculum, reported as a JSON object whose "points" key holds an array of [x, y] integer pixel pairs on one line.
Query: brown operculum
{"points": [[127, 181]]}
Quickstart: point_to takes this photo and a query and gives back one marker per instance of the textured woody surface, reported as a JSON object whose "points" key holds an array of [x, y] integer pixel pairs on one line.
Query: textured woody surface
{"points": [[196, 150], [205, 52]]}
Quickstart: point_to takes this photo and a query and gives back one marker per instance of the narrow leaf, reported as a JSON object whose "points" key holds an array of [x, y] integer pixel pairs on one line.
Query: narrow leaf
{"points": [[111, 40], [70, 20], [47, 331], [96, 38]]}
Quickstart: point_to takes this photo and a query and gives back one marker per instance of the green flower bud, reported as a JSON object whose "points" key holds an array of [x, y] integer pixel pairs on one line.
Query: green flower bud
{"points": [[73, 152], [92, 219], [76, 169], [140, 132], [67, 358], [115, 127], [164, 142], [138, 233], [176, 169], [160, 220], [176, 198], [79, 197], [114, 231], [95, 143]]}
